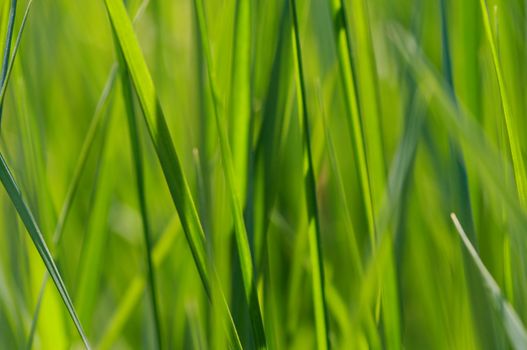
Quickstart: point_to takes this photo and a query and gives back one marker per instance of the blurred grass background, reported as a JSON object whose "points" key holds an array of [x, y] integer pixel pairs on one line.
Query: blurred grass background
{"points": [[412, 110]]}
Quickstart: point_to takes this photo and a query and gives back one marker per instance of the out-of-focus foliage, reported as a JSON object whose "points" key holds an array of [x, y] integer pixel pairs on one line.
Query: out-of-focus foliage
{"points": [[213, 174]]}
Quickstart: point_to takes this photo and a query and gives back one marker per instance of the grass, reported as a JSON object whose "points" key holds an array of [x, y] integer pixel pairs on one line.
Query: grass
{"points": [[337, 174]]}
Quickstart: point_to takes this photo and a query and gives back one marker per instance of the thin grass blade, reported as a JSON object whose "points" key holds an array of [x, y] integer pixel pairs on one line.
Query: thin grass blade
{"points": [[242, 241], [7, 47], [9, 66], [168, 158], [514, 141], [509, 318], [139, 173], [315, 244], [27, 218]]}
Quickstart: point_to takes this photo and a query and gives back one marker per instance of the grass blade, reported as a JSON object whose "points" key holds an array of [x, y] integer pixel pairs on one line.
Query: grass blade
{"points": [[242, 242], [88, 143], [9, 65], [514, 141], [36, 236], [343, 38], [166, 153], [160, 135], [139, 173], [7, 48], [510, 320], [135, 289], [241, 94], [315, 244]]}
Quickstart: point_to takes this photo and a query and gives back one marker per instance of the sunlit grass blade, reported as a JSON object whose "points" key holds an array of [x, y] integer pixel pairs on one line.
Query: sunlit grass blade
{"points": [[315, 244], [101, 112], [240, 232], [139, 173], [8, 63], [359, 79], [241, 94], [36, 236], [367, 84], [344, 54], [7, 47], [510, 320], [88, 144], [166, 153], [510, 124], [160, 135]]}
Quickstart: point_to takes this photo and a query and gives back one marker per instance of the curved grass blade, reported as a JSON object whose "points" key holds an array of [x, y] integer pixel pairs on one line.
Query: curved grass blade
{"points": [[139, 173], [315, 247], [509, 318], [7, 48], [36, 236], [514, 141], [9, 66], [242, 242], [168, 158]]}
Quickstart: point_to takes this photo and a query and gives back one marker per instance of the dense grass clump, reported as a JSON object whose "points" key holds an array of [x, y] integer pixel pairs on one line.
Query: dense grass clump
{"points": [[297, 174]]}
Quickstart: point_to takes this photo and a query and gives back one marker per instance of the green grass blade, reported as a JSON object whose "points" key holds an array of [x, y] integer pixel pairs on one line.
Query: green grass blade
{"points": [[36, 236], [514, 140], [343, 39], [461, 202], [510, 320], [91, 263], [96, 122], [9, 65], [315, 244], [7, 47], [139, 173], [242, 242], [88, 143], [369, 101], [241, 94], [468, 134], [359, 80], [160, 135], [34, 321], [166, 153], [135, 289]]}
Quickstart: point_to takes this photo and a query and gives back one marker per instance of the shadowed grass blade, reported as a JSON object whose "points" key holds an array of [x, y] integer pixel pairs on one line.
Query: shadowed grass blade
{"points": [[36, 236], [315, 244], [510, 320]]}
